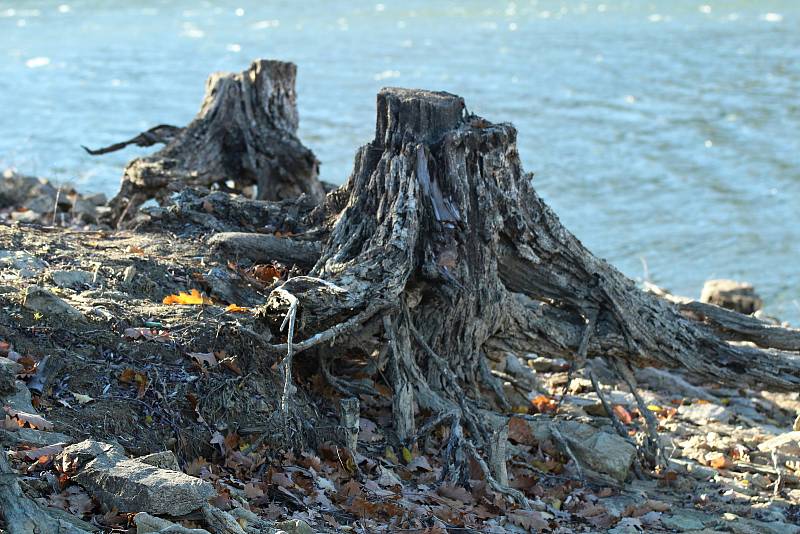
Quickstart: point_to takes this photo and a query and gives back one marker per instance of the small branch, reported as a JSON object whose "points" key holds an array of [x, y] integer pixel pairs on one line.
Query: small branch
{"points": [[560, 438], [163, 133]]}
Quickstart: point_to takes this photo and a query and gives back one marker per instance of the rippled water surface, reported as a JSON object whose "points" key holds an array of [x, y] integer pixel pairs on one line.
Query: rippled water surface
{"points": [[663, 130]]}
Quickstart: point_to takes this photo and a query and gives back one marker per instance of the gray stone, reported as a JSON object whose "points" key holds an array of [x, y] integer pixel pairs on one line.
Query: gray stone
{"points": [[40, 300], [787, 444], [84, 209], [27, 265], [627, 525], [71, 279], [702, 414], [685, 520], [163, 459], [597, 450], [294, 526], [93, 452], [34, 438], [96, 199], [147, 524], [20, 400], [131, 486], [741, 525], [738, 296], [75, 521], [229, 287]]}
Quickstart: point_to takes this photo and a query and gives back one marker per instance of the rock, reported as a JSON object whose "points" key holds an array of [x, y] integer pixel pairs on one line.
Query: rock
{"points": [[665, 380], [684, 520], [34, 438], [738, 296], [96, 199], [597, 450], [20, 399], [146, 524], [8, 376], [294, 526], [229, 287], [14, 188], [627, 525], [71, 279], [128, 274], [27, 265], [40, 300], [89, 451], [75, 521], [787, 444], [741, 525], [702, 414], [132, 486], [86, 211], [163, 459]]}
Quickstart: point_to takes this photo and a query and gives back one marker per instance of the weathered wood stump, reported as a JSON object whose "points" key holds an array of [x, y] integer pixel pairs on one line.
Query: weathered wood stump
{"points": [[245, 134], [441, 250]]}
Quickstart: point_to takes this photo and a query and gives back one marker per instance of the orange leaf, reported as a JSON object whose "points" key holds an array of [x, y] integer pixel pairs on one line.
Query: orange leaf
{"points": [[622, 414], [194, 297], [720, 462], [234, 308], [544, 404], [265, 273]]}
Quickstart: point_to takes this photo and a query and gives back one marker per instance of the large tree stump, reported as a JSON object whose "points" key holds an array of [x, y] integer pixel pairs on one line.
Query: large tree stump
{"points": [[439, 248], [245, 133]]}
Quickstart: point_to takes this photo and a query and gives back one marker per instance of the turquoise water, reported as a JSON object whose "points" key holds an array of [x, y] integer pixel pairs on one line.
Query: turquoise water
{"points": [[664, 130]]}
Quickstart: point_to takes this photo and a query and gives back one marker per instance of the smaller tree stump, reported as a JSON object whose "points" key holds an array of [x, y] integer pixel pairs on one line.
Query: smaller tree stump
{"points": [[244, 135]]}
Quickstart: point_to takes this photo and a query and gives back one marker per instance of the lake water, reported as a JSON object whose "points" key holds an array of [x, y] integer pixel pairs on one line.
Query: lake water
{"points": [[663, 130]]}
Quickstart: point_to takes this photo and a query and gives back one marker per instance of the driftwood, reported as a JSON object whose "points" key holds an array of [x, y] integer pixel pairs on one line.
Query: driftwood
{"points": [[245, 134], [438, 255]]}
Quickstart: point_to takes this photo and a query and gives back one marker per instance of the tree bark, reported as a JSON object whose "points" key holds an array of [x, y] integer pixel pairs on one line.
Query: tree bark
{"points": [[443, 247], [245, 133]]}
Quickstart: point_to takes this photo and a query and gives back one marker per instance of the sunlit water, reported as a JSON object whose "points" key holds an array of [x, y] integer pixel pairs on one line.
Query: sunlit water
{"points": [[668, 131]]}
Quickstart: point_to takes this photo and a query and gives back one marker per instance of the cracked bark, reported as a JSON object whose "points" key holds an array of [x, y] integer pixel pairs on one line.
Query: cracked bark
{"points": [[245, 133]]}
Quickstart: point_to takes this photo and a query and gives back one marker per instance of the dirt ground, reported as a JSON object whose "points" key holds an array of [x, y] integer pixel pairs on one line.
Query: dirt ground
{"points": [[114, 363]]}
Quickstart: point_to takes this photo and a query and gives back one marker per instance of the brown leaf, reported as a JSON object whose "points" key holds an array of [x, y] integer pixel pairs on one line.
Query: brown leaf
{"points": [[233, 308], [203, 359], [265, 273], [544, 404], [48, 452], [131, 376], [150, 334], [520, 431], [528, 519], [23, 418], [622, 414]]}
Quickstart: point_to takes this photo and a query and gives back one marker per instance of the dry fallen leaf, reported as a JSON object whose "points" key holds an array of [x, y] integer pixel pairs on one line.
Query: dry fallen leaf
{"points": [[544, 404], [203, 359], [130, 376], [622, 414], [234, 308], [151, 334], [194, 297], [24, 418], [81, 398], [720, 462], [520, 431], [41, 452]]}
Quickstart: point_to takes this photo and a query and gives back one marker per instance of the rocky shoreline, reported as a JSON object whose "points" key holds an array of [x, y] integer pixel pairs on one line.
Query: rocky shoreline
{"points": [[86, 338]]}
